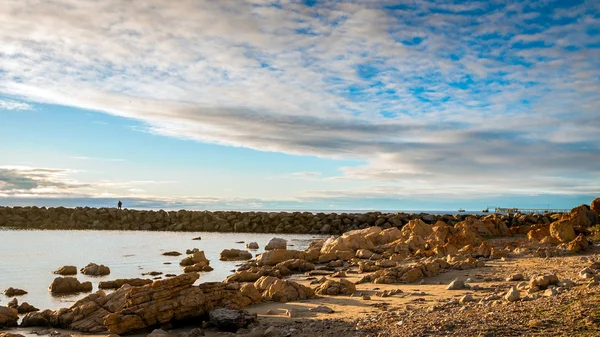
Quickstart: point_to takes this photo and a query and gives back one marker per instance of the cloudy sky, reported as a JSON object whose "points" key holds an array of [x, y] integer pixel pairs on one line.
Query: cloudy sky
{"points": [[265, 104]]}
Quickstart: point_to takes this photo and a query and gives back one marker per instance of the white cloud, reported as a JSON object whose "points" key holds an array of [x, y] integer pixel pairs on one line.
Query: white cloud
{"points": [[470, 112], [14, 105]]}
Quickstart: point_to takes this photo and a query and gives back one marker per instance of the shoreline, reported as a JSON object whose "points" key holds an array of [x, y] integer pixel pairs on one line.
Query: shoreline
{"points": [[32, 217]]}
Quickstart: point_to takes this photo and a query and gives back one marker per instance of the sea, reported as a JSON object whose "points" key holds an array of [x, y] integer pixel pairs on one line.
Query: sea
{"points": [[29, 257]]}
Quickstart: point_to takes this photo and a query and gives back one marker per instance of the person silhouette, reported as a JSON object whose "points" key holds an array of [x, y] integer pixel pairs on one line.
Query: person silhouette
{"points": [[119, 204]]}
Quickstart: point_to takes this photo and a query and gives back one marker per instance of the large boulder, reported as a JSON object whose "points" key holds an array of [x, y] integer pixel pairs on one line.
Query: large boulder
{"points": [[562, 230], [595, 206], [252, 245], [116, 284], [333, 288], [231, 320], [274, 289], [8, 317], [583, 217], [66, 270], [352, 241], [276, 243], [235, 255], [69, 285], [95, 270], [296, 265], [275, 256]]}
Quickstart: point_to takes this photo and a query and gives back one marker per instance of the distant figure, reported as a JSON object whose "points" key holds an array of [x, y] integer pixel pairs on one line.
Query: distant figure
{"points": [[120, 204]]}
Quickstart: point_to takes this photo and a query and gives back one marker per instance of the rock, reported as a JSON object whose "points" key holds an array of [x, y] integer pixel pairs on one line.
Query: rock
{"points": [[197, 332], [272, 332], [578, 245], [456, 285], [66, 270], [8, 317], [275, 256], [562, 230], [95, 270], [197, 238], [542, 282], [69, 285], [296, 265], [116, 284], [292, 313], [339, 274], [231, 320], [595, 206], [465, 299], [322, 309], [26, 308], [198, 267], [194, 258], [192, 251], [158, 333], [276, 243], [514, 277], [234, 255], [274, 289], [252, 245], [513, 295], [14, 303], [8, 334], [550, 292], [334, 288], [10, 292], [172, 253], [364, 254], [586, 273], [365, 297]]}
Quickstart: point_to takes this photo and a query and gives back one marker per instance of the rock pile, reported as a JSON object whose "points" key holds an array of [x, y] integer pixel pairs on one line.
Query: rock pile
{"points": [[229, 221]]}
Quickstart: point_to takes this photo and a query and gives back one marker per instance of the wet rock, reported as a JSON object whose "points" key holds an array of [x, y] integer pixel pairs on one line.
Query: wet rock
{"points": [[334, 288], [11, 292], [25, 307], [252, 245], [231, 320], [235, 255], [66, 270], [94, 269], [8, 317], [69, 285], [276, 243], [194, 258], [116, 284], [172, 253]]}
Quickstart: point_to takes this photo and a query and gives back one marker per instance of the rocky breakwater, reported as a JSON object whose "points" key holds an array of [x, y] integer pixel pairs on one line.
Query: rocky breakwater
{"points": [[229, 221]]}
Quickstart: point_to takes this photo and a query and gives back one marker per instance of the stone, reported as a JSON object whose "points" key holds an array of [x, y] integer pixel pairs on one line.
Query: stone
{"points": [[69, 285], [276, 243], [334, 288], [512, 295], [296, 265], [231, 320], [194, 258], [66, 270], [198, 267], [94, 269], [277, 290], [10, 292], [514, 277], [172, 253], [197, 332], [456, 285], [252, 245], [235, 255], [364, 254], [25, 307], [550, 292], [8, 334], [158, 333], [595, 206], [192, 251], [465, 299], [197, 238], [8, 317], [116, 284], [586, 273], [275, 256], [542, 282], [322, 309], [562, 230], [272, 332]]}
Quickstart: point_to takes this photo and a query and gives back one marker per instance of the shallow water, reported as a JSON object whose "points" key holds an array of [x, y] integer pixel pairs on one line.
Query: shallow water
{"points": [[28, 257]]}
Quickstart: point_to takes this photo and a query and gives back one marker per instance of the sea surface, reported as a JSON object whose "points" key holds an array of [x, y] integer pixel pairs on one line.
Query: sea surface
{"points": [[28, 257]]}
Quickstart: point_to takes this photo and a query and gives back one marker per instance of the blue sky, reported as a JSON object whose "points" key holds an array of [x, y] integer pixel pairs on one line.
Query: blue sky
{"points": [[300, 104]]}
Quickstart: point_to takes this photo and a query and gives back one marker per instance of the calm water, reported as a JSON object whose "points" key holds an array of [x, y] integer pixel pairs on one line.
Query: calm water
{"points": [[28, 257]]}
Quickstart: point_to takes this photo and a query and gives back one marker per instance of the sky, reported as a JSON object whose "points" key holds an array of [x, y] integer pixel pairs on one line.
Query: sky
{"points": [[312, 105]]}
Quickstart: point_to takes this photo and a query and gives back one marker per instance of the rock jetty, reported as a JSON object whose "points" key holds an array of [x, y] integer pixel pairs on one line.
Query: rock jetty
{"points": [[230, 221]]}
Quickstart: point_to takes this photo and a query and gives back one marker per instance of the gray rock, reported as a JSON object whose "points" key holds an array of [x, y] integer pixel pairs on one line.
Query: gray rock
{"points": [[513, 295], [231, 320], [456, 285]]}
